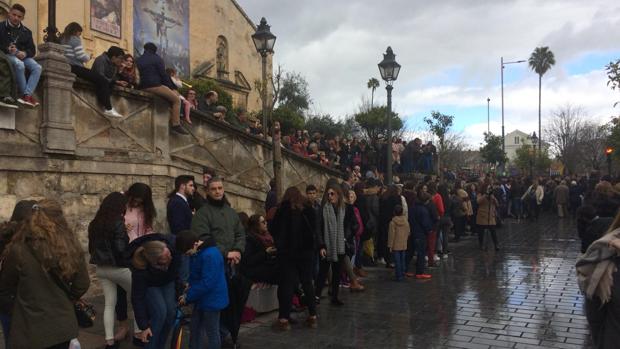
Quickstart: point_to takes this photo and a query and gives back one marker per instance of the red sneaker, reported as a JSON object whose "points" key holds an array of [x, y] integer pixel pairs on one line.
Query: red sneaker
{"points": [[33, 101], [423, 276]]}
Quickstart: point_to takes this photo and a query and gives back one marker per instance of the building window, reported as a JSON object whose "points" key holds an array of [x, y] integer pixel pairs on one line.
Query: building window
{"points": [[517, 140], [222, 58]]}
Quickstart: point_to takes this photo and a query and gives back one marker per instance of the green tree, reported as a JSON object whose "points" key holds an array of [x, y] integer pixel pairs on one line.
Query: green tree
{"points": [[290, 120], [491, 151], [374, 122], [325, 125], [294, 93], [540, 62], [613, 73], [527, 158], [372, 84], [439, 124]]}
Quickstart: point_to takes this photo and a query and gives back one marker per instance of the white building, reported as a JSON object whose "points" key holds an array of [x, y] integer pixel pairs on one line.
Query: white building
{"points": [[514, 141]]}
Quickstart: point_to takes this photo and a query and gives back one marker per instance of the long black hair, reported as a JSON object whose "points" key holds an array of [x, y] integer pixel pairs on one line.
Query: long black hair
{"points": [[140, 194], [110, 212]]}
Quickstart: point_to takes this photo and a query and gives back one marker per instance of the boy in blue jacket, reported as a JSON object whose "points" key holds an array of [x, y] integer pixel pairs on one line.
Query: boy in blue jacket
{"points": [[207, 288]]}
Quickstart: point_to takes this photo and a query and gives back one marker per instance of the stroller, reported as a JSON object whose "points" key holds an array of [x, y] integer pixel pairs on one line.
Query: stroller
{"points": [[179, 337]]}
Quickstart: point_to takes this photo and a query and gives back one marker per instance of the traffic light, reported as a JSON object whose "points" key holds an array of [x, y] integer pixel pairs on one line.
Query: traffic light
{"points": [[609, 151]]}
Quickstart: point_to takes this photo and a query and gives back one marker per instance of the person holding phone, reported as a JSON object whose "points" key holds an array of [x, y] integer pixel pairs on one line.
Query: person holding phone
{"points": [[16, 42]]}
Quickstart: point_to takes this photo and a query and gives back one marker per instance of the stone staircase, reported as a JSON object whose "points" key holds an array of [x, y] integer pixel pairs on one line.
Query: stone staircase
{"points": [[7, 118]]}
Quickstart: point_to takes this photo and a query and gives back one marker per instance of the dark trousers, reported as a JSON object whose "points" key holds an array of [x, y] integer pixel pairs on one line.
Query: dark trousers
{"points": [[459, 227], [121, 304], [481, 231], [420, 249], [293, 272], [382, 249], [411, 248], [102, 86], [335, 282], [5, 319]]}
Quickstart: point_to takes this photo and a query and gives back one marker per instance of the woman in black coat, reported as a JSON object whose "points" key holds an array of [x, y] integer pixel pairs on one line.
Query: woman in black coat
{"points": [[296, 238], [259, 258]]}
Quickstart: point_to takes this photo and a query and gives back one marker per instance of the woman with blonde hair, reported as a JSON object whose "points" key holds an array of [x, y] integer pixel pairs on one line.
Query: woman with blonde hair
{"points": [[155, 265], [44, 273]]}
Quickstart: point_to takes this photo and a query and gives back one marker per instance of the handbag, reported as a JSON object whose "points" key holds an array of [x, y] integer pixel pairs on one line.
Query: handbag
{"points": [[84, 311]]}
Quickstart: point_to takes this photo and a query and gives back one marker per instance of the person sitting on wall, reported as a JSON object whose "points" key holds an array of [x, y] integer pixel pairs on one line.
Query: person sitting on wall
{"points": [[7, 83], [153, 78], [129, 72], [209, 105], [75, 54], [240, 121], [16, 42]]}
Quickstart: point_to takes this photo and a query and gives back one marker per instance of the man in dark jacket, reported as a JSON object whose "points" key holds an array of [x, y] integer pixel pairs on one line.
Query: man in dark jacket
{"points": [[179, 212], [153, 78], [107, 65], [218, 220], [16, 42]]}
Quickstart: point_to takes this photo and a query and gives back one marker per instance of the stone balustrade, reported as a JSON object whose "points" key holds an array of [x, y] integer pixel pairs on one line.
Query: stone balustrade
{"points": [[68, 150]]}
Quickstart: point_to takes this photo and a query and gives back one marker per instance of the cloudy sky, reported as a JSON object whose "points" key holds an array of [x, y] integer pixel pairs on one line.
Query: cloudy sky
{"points": [[450, 55]]}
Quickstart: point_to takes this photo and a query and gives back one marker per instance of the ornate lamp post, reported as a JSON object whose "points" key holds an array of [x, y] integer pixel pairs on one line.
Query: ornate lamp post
{"points": [[488, 115], [389, 70], [534, 140], [264, 41], [51, 32]]}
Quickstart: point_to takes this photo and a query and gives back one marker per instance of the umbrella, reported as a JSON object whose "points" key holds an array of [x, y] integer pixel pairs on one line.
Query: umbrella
{"points": [[238, 291]]}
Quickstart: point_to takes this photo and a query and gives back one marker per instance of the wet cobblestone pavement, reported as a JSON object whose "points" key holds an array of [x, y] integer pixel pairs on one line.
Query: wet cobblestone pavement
{"points": [[524, 296]]}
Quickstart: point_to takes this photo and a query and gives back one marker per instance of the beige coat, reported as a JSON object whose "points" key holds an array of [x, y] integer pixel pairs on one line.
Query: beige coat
{"points": [[561, 193], [398, 233], [487, 205], [467, 207]]}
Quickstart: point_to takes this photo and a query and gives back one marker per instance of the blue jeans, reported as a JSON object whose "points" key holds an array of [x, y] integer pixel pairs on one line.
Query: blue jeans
{"points": [[205, 323], [20, 67], [5, 319], [162, 306], [517, 207], [399, 264]]}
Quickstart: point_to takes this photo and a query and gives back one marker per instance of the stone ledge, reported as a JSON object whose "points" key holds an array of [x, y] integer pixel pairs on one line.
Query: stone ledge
{"points": [[7, 118]]}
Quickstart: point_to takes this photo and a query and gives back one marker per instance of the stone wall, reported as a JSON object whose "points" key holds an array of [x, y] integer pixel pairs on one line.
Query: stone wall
{"points": [[68, 150]]}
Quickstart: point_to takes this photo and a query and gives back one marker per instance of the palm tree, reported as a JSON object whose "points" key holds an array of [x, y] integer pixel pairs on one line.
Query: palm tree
{"points": [[540, 62], [372, 84]]}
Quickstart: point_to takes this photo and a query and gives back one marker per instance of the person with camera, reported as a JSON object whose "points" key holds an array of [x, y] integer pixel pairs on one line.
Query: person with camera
{"points": [[486, 215]]}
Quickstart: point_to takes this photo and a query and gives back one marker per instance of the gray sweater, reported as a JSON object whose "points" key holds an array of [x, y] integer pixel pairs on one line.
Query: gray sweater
{"points": [[74, 51]]}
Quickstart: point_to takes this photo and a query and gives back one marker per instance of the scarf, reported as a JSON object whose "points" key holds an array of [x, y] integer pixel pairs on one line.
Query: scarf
{"points": [[264, 238], [333, 231], [596, 267]]}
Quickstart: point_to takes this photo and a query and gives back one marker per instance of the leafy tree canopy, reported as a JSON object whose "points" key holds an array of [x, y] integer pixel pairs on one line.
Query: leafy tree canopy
{"points": [[294, 93], [290, 120], [526, 157], [374, 122], [491, 151]]}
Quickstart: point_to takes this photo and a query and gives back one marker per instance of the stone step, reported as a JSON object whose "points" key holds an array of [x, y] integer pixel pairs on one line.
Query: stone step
{"points": [[7, 118]]}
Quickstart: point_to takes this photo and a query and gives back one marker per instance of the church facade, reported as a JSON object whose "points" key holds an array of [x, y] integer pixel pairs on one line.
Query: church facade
{"points": [[208, 39]]}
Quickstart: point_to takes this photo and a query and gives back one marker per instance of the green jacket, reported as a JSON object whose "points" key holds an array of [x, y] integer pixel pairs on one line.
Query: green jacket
{"points": [[42, 313], [221, 223]]}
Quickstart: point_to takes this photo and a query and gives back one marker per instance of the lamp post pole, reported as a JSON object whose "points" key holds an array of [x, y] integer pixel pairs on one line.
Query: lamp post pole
{"points": [[488, 115], [502, 65], [389, 88], [51, 32], [389, 70], [264, 41]]}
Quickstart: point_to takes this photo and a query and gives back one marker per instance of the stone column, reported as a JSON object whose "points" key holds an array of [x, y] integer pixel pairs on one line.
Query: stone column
{"points": [[58, 124]]}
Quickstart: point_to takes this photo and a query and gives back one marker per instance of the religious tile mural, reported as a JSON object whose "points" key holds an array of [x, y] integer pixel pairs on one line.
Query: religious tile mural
{"points": [[106, 16], [166, 24]]}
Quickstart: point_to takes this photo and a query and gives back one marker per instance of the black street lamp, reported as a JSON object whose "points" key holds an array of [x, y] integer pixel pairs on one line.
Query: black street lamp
{"points": [[264, 41], [389, 70], [488, 115], [51, 32]]}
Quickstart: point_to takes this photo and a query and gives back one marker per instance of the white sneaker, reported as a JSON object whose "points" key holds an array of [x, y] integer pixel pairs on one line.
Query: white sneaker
{"points": [[112, 113], [8, 105], [426, 258], [436, 258], [381, 261]]}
